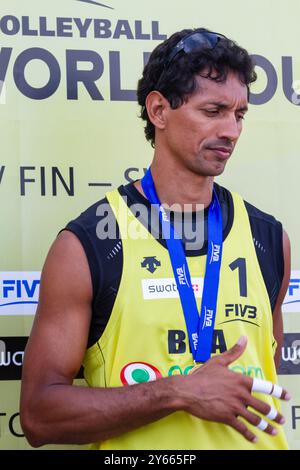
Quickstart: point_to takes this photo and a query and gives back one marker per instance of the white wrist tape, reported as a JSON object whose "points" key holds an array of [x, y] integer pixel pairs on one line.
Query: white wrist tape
{"points": [[264, 386], [277, 391], [272, 414], [262, 425]]}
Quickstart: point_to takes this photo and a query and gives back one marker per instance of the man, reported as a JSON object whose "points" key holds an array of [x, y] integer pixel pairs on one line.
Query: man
{"points": [[119, 299]]}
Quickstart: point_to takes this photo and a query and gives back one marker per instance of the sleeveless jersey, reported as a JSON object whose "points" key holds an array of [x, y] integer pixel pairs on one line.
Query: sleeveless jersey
{"points": [[105, 254], [146, 337]]}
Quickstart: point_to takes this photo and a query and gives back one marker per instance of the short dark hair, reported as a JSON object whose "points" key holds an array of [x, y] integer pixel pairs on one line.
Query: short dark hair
{"points": [[177, 81]]}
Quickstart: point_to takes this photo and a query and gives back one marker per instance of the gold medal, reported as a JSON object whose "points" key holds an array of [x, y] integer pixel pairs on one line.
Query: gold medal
{"points": [[196, 366]]}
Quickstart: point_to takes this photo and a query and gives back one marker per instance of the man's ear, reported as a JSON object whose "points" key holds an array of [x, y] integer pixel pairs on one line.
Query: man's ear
{"points": [[157, 105]]}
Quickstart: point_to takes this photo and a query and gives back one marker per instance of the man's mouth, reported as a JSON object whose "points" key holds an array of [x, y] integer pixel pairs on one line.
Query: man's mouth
{"points": [[223, 152]]}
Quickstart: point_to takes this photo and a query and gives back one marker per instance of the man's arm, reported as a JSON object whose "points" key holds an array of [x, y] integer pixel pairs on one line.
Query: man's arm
{"points": [[277, 313], [52, 409], [55, 411]]}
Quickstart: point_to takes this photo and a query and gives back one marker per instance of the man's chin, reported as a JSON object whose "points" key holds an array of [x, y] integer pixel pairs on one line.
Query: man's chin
{"points": [[212, 172], [219, 168], [219, 171]]}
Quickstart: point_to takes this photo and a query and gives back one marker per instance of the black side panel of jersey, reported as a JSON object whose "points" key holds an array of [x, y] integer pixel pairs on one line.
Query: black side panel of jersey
{"points": [[105, 260], [105, 256], [267, 238]]}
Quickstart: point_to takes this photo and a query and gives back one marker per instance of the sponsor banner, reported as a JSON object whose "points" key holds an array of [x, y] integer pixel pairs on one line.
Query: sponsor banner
{"points": [[165, 288], [19, 292], [290, 354], [11, 357], [292, 299]]}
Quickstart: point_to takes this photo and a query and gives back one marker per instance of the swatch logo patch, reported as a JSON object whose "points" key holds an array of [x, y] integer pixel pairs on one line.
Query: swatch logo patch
{"points": [[166, 288]]}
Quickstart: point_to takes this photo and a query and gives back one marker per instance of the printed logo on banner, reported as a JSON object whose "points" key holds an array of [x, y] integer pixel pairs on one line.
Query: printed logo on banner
{"points": [[10, 424], [95, 3], [166, 288], [291, 302], [11, 357], [19, 292], [290, 354], [86, 68]]}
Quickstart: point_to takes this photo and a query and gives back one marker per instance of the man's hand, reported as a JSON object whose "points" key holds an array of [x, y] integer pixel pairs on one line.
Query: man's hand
{"points": [[215, 393]]}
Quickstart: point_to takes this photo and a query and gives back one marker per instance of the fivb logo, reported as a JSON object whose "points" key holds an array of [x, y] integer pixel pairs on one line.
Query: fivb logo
{"points": [[181, 276], [208, 317], [291, 302], [19, 292], [195, 340], [215, 253]]}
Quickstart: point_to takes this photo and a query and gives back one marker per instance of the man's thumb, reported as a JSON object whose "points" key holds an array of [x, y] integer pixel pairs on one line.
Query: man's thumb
{"points": [[236, 351]]}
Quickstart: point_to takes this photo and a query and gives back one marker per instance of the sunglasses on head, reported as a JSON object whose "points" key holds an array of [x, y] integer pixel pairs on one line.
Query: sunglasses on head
{"points": [[194, 41]]}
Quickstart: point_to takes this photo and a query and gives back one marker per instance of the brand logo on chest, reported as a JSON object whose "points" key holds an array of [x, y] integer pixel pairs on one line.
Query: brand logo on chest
{"points": [[150, 263], [166, 288]]}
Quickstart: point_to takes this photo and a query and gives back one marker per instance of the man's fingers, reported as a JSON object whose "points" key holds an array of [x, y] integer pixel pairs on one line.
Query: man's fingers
{"points": [[260, 423], [264, 386], [270, 413], [257, 421], [233, 353], [242, 429]]}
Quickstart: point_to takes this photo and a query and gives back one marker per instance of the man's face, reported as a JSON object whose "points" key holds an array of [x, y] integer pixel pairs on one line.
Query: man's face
{"points": [[202, 133]]}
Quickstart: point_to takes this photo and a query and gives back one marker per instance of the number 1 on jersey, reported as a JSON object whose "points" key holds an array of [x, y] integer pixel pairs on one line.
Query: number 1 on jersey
{"points": [[240, 264]]}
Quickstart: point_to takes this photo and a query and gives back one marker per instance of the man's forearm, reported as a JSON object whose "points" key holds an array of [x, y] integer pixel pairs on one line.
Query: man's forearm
{"points": [[66, 414]]}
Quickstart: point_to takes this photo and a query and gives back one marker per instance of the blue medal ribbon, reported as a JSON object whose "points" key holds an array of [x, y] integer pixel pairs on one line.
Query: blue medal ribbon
{"points": [[200, 329]]}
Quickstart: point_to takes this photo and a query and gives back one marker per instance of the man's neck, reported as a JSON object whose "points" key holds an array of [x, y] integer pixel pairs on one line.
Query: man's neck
{"points": [[186, 189]]}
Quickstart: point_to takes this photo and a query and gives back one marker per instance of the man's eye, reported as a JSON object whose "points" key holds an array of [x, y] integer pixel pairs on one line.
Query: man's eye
{"points": [[212, 111]]}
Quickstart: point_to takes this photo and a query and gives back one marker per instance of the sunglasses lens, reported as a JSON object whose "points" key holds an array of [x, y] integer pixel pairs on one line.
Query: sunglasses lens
{"points": [[199, 41], [194, 42]]}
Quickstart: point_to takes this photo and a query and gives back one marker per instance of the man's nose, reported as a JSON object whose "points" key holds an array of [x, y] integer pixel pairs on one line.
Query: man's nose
{"points": [[230, 128]]}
